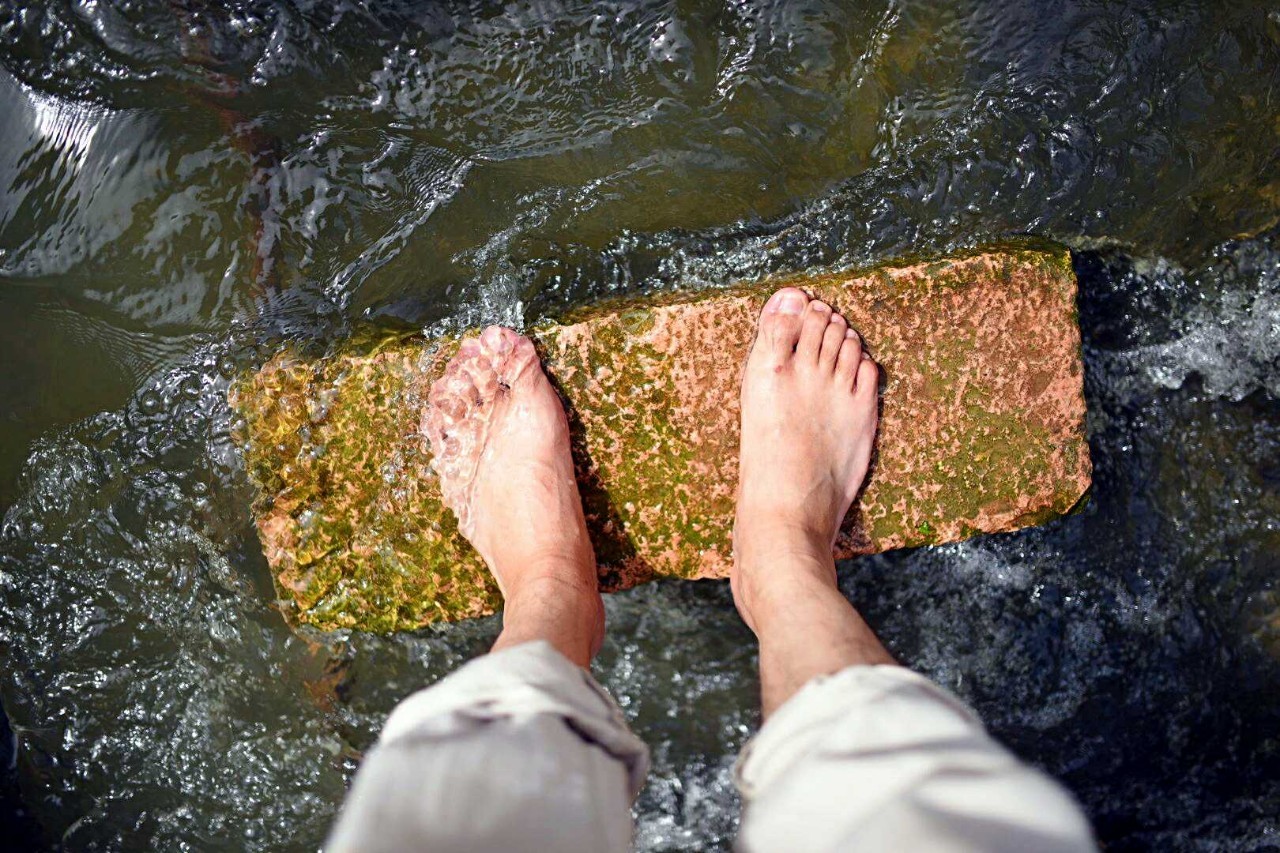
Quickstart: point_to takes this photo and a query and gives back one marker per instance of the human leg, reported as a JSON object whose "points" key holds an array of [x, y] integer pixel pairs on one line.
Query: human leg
{"points": [[518, 750], [808, 427], [500, 445], [521, 749], [878, 758], [855, 751]]}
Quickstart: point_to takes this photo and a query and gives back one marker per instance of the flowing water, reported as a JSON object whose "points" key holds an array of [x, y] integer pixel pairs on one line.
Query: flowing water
{"points": [[184, 186]]}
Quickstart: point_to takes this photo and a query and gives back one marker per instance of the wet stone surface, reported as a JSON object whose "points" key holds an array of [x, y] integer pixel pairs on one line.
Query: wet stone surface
{"points": [[982, 431]]}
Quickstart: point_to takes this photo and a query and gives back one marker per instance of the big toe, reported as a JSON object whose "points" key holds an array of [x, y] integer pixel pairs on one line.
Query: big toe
{"points": [[522, 366], [780, 323], [482, 358], [451, 396], [498, 341]]}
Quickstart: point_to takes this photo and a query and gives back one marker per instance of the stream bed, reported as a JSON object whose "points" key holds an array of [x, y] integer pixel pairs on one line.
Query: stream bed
{"points": [[186, 186]]}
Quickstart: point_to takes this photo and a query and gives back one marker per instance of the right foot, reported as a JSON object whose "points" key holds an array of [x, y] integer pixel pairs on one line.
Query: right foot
{"points": [[809, 397], [500, 444], [808, 427]]}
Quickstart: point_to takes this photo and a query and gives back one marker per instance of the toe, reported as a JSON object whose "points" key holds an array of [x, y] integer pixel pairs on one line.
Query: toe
{"points": [[449, 401], [868, 377], [496, 345], [498, 341], [449, 409], [832, 339], [780, 322], [479, 364], [850, 357], [452, 395], [521, 363], [816, 319]]}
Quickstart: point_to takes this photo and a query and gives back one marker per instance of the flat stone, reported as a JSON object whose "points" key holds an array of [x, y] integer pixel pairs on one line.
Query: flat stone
{"points": [[982, 430]]}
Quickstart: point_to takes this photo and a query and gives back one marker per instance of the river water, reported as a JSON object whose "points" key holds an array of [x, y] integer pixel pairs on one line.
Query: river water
{"points": [[184, 186]]}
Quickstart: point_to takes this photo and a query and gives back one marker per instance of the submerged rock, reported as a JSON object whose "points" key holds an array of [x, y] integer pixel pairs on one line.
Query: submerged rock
{"points": [[982, 430]]}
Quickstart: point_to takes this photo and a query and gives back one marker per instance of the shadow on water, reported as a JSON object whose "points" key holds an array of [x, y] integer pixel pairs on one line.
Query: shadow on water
{"points": [[185, 187]]}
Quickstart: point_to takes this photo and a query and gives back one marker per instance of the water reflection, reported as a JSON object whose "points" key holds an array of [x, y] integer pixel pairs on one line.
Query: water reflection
{"points": [[184, 185]]}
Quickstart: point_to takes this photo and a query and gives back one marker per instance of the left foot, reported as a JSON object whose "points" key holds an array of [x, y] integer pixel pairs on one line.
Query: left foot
{"points": [[500, 442]]}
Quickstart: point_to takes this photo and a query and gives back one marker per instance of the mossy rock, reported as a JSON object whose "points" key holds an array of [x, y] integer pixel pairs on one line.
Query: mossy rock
{"points": [[982, 430]]}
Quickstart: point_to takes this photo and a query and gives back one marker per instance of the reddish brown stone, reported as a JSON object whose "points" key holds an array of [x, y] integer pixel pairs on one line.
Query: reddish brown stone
{"points": [[982, 430]]}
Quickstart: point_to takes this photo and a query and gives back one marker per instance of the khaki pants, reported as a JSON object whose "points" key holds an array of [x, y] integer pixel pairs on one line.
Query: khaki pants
{"points": [[522, 750]]}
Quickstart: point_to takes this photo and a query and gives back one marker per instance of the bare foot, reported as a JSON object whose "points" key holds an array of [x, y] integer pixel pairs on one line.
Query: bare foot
{"points": [[808, 428], [500, 443]]}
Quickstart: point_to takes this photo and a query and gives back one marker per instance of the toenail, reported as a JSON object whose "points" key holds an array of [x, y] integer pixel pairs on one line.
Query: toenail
{"points": [[495, 339], [850, 333], [787, 302], [819, 305]]}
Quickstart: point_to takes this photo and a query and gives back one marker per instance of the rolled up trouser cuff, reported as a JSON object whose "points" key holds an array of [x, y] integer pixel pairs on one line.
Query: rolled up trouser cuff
{"points": [[805, 722], [521, 682], [879, 757]]}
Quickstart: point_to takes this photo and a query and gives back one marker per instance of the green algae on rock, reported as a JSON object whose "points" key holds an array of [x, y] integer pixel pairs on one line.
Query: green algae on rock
{"points": [[982, 430]]}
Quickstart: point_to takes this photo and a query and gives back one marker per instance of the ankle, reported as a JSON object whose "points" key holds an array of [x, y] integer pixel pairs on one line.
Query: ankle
{"points": [[563, 611], [556, 590], [549, 571], [773, 556], [516, 560], [775, 535], [817, 633], [784, 595]]}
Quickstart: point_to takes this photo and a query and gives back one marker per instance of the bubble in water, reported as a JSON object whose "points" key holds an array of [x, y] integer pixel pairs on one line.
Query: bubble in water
{"points": [[189, 387], [150, 402]]}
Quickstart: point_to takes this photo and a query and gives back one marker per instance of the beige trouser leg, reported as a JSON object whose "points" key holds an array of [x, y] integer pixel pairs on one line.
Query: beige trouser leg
{"points": [[518, 750], [522, 750], [880, 758]]}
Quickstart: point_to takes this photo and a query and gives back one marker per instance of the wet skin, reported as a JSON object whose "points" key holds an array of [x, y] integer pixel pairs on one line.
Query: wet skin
{"points": [[500, 441]]}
